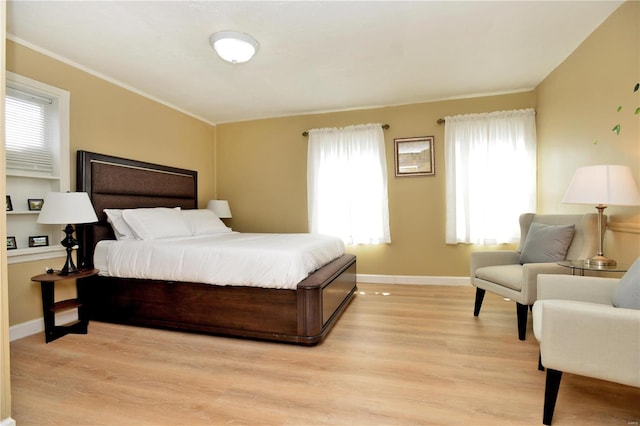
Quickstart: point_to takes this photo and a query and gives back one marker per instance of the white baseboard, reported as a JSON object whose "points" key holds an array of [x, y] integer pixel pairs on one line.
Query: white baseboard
{"points": [[8, 422], [412, 279], [36, 326]]}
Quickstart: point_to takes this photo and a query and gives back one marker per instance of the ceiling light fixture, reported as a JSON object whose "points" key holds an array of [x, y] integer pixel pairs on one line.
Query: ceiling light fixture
{"points": [[234, 47]]}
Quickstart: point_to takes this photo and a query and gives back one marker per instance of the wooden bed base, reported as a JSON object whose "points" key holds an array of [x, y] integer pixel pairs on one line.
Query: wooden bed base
{"points": [[302, 316]]}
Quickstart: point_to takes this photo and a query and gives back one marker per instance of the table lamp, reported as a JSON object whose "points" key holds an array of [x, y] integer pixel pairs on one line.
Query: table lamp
{"points": [[69, 208], [220, 208], [602, 185]]}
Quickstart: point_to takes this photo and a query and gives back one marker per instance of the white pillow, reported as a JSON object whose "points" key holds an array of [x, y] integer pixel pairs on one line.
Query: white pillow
{"points": [[154, 223], [121, 230], [204, 222]]}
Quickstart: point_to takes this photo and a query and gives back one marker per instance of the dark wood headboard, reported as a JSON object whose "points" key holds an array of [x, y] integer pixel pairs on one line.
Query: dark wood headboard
{"points": [[120, 183]]}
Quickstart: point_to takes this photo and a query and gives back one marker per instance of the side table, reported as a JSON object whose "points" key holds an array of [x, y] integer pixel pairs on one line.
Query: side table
{"points": [[581, 266], [50, 307]]}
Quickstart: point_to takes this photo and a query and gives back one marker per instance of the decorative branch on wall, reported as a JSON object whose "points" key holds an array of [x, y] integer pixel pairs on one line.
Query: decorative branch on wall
{"points": [[617, 128]]}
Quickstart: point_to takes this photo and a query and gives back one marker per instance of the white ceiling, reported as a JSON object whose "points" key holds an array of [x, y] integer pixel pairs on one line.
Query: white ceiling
{"points": [[314, 56]]}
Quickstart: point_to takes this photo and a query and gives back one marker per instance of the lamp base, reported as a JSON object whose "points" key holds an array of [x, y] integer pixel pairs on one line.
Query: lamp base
{"points": [[598, 261], [69, 269], [69, 243]]}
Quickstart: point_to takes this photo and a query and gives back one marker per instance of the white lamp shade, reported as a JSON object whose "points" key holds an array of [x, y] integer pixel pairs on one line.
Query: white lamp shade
{"points": [[234, 47], [61, 208], [220, 208], [606, 185]]}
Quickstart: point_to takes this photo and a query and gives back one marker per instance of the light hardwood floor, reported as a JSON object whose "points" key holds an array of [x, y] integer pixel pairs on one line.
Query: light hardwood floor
{"points": [[399, 355]]}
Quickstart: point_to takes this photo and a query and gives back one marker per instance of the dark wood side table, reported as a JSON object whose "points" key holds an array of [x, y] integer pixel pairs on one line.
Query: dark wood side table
{"points": [[50, 307]]}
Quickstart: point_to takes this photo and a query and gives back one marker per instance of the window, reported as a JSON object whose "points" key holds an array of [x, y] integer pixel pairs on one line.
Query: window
{"points": [[347, 184], [36, 126], [490, 175], [28, 131], [37, 161]]}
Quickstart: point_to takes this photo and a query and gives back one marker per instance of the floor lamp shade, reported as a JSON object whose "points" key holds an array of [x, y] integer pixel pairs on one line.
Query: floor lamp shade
{"points": [[602, 186], [70, 208]]}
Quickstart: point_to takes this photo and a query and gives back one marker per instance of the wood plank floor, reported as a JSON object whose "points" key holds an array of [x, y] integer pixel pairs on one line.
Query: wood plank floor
{"points": [[399, 355]]}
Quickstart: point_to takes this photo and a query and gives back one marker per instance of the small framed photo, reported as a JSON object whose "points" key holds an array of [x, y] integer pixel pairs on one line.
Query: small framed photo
{"points": [[11, 243], [39, 241], [414, 156], [9, 205], [35, 203]]}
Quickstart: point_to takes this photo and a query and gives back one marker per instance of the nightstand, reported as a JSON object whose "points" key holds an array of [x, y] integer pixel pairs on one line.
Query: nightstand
{"points": [[50, 307]]}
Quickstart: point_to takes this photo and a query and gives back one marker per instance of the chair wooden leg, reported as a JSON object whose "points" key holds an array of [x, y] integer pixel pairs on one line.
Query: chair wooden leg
{"points": [[540, 366], [522, 313], [551, 394], [479, 298]]}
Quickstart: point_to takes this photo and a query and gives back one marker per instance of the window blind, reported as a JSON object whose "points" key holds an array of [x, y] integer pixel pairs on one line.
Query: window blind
{"points": [[28, 126]]}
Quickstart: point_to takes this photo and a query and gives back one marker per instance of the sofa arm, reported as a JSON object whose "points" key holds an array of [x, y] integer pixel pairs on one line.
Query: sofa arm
{"points": [[480, 259], [570, 287], [589, 339]]}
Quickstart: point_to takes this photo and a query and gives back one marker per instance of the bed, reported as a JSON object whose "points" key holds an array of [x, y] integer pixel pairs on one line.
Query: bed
{"points": [[302, 315]]}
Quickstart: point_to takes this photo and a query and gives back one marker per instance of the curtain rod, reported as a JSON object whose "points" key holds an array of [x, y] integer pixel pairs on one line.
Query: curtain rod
{"points": [[441, 120], [384, 127]]}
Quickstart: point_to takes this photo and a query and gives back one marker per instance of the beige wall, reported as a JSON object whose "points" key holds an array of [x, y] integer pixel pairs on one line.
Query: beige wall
{"points": [[108, 119], [262, 172], [577, 105]]}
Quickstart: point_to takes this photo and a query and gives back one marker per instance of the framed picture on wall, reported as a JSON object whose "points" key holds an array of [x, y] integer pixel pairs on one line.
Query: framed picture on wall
{"points": [[39, 241], [414, 156], [35, 203]]}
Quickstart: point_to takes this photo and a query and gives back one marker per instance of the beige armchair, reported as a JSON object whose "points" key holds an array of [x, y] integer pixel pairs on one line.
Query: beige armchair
{"points": [[580, 332], [513, 274]]}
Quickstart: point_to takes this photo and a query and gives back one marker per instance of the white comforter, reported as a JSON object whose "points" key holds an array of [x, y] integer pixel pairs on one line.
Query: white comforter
{"points": [[259, 260]]}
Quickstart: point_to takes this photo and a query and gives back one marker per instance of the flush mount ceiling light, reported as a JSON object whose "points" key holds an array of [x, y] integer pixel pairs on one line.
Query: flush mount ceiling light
{"points": [[234, 47]]}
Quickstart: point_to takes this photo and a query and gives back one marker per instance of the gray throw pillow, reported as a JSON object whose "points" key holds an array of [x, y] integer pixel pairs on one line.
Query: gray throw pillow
{"points": [[546, 243], [627, 292]]}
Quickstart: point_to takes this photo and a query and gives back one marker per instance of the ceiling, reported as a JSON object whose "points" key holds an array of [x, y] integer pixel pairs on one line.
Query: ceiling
{"points": [[314, 56]]}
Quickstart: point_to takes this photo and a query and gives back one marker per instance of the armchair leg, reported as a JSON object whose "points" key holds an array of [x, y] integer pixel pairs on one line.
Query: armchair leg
{"points": [[540, 366], [551, 394], [522, 313], [479, 298]]}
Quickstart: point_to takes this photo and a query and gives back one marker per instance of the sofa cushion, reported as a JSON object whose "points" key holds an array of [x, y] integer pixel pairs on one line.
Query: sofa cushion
{"points": [[546, 243], [627, 292], [509, 276]]}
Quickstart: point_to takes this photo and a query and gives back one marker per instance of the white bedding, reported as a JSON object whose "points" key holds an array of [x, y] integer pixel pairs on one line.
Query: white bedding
{"points": [[259, 260]]}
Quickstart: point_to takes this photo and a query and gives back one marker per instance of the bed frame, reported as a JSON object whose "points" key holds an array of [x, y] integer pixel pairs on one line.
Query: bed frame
{"points": [[302, 316]]}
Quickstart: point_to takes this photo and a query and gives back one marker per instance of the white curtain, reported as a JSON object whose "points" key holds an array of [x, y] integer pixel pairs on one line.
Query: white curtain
{"points": [[490, 175], [347, 184]]}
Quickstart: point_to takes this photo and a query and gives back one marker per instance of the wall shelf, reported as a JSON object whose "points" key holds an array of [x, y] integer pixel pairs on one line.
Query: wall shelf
{"points": [[29, 254]]}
